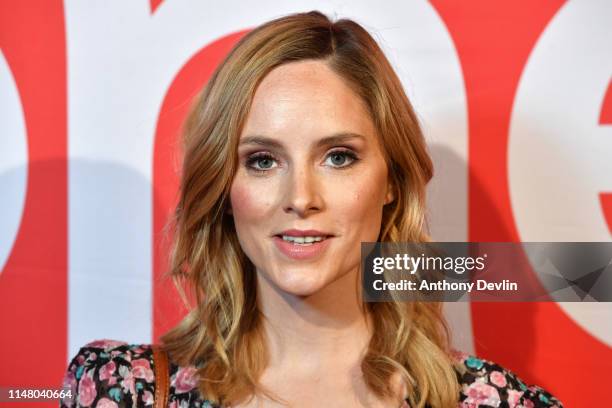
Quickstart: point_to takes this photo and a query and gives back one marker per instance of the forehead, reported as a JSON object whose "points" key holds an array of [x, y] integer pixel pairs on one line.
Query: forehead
{"points": [[307, 98]]}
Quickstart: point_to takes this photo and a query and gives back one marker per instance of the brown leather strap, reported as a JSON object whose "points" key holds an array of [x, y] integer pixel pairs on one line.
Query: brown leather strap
{"points": [[160, 362]]}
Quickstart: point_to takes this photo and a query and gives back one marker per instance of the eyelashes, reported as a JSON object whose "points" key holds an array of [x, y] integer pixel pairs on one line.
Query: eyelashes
{"points": [[258, 158], [351, 155], [262, 162]]}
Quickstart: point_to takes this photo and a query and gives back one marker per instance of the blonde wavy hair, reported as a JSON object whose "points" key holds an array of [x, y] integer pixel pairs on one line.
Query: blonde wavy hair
{"points": [[222, 334]]}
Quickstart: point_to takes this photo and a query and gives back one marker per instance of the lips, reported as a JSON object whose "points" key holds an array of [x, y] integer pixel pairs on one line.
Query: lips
{"points": [[304, 233], [300, 251]]}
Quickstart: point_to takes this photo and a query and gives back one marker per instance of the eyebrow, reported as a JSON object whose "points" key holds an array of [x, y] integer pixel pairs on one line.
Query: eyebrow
{"points": [[326, 141]]}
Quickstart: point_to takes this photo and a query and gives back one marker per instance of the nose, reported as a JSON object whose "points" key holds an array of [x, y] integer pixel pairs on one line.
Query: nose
{"points": [[302, 193]]}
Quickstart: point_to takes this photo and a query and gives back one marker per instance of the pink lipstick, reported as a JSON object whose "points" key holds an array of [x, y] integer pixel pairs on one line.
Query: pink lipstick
{"points": [[302, 244]]}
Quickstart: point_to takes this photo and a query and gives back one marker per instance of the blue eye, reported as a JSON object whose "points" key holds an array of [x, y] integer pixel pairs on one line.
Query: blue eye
{"points": [[264, 162], [260, 162], [339, 158]]}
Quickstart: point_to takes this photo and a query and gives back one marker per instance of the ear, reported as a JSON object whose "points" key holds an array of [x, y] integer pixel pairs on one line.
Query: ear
{"points": [[390, 195]]}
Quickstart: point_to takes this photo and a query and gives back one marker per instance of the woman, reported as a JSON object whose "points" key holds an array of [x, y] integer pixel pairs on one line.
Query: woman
{"points": [[302, 145]]}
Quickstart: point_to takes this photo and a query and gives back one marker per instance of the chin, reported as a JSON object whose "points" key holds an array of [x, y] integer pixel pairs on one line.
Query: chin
{"points": [[299, 283]]}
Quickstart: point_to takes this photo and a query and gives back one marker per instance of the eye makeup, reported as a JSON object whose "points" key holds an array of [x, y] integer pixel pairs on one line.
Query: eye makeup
{"points": [[254, 161]]}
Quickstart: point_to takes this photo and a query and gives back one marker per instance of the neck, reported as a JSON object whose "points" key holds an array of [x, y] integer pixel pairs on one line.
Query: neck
{"points": [[328, 328]]}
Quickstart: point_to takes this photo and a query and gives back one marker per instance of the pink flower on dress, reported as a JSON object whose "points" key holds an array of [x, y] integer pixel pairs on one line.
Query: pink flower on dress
{"points": [[106, 403], [185, 380], [147, 398], [107, 370], [141, 362], [514, 397], [87, 390], [498, 379], [528, 404], [127, 383], [142, 369], [481, 393]]}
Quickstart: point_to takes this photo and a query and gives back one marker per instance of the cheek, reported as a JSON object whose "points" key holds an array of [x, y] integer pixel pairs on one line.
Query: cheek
{"points": [[363, 201], [241, 199], [249, 203], [252, 209]]}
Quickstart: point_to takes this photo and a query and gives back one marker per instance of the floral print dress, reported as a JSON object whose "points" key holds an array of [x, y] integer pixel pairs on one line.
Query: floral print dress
{"points": [[112, 374]]}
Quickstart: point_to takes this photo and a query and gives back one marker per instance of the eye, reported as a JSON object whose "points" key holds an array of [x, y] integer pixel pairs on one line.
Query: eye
{"points": [[260, 162], [341, 158]]}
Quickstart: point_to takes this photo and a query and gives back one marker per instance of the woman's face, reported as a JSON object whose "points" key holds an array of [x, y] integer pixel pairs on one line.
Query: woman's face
{"points": [[309, 159]]}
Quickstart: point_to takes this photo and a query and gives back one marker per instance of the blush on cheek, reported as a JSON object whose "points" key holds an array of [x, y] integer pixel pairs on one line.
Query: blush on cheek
{"points": [[249, 201], [241, 198]]}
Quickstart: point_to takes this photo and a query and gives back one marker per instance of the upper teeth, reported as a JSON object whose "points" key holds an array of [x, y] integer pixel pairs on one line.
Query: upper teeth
{"points": [[302, 240]]}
